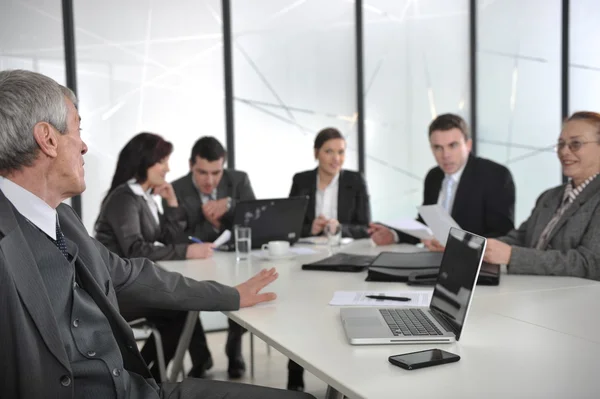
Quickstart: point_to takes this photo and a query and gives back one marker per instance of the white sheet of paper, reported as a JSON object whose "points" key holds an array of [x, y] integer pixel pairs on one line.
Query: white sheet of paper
{"points": [[412, 227], [322, 240], [303, 251], [438, 220], [359, 298], [223, 238]]}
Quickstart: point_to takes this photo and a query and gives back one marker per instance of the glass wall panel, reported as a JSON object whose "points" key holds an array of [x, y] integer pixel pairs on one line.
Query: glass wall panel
{"points": [[584, 67], [294, 74], [146, 66], [519, 92], [416, 67]]}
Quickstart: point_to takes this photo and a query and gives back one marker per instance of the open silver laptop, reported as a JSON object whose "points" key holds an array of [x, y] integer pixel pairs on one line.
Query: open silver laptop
{"points": [[445, 318]]}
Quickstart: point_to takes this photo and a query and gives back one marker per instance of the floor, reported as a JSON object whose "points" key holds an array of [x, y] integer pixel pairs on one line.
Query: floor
{"points": [[269, 369]]}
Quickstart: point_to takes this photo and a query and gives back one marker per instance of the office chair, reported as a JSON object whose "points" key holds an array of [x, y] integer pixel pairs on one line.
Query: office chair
{"points": [[142, 329]]}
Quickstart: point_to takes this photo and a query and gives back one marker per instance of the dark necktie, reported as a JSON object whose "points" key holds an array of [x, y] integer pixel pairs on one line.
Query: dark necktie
{"points": [[60, 241]]}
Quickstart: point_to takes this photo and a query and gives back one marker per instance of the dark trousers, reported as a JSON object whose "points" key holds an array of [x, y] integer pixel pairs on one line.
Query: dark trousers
{"points": [[170, 324], [295, 373], [233, 348], [193, 388]]}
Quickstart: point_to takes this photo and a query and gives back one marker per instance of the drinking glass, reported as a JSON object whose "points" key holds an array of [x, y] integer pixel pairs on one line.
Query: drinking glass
{"points": [[243, 242]]}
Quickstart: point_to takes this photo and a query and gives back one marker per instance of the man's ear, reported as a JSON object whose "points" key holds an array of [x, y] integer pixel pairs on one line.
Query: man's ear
{"points": [[46, 138]]}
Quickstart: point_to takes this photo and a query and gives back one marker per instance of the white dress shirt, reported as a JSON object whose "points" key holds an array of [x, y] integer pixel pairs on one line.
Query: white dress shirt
{"points": [[326, 202], [35, 209], [147, 195]]}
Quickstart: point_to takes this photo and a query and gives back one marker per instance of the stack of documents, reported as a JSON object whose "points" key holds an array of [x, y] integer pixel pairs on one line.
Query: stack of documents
{"points": [[359, 298]]}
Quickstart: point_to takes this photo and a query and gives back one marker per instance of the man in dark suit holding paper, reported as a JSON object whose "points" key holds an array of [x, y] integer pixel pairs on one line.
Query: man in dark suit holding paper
{"points": [[479, 194]]}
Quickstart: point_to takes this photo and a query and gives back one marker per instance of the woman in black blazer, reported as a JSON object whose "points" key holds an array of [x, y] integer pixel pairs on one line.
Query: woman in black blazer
{"points": [[131, 225], [335, 196], [349, 206]]}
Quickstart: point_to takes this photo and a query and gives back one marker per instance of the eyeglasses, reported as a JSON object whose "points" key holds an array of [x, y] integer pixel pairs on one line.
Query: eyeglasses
{"points": [[574, 145]]}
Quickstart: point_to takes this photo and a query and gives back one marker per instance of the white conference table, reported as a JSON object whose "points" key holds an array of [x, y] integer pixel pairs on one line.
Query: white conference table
{"points": [[531, 336]]}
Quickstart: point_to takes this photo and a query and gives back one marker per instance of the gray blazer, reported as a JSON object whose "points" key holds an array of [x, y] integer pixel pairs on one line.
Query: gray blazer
{"points": [[574, 245], [234, 184], [126, 227], [32, 356]]}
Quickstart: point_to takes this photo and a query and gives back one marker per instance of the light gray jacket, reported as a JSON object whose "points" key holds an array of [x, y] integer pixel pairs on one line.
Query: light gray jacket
{"points": [[574, 245]]}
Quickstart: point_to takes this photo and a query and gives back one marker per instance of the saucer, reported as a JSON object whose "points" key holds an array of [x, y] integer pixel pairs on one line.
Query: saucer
{"points": [[266, 256]]}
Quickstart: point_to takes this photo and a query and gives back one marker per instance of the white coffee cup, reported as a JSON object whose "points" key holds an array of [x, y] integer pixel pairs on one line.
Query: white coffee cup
{"points": [[276, 248]]}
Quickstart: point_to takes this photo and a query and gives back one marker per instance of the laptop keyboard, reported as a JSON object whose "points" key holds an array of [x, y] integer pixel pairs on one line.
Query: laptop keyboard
{"points": [[409, 322]]}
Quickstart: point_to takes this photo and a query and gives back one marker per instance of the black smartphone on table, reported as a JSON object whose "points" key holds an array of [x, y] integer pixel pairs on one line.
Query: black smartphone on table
{"points": [[421, 359]]}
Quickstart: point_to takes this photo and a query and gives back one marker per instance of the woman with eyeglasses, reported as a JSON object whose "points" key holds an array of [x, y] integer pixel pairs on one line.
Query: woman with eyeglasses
{"points": [[562, 235]]}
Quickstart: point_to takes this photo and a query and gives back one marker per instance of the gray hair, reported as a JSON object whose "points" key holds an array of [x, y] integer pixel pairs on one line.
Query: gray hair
{"points": [[27, 98]]}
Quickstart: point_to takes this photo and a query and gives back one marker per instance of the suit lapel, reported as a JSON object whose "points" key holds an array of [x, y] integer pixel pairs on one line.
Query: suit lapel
{"points": [[432, 192], [345, 192], [223, 189], [464, 189], [590, 191], [24, 269], [312, 195], [548, 208]]}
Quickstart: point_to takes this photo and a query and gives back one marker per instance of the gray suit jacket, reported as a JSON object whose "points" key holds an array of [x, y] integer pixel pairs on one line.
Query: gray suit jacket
{"points": [[126, 227], [234, 184], [32, 356], [574, 245]]}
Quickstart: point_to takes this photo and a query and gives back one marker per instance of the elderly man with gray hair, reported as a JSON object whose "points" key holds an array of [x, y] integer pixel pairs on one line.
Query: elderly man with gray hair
{"points": [[61, 332]]}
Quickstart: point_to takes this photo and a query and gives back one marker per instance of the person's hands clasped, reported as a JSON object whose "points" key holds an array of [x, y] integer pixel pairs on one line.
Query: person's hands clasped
{"points": [[380, 234], [199, 251], [166, 191], [497, 252], [214, 210], [433, 245], [250, 290], [318, 225]]}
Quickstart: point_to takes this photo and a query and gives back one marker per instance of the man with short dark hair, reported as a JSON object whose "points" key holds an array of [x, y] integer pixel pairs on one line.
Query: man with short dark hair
{"points": [[208, 195], [209, 192], [478, 193], [61, 332]]}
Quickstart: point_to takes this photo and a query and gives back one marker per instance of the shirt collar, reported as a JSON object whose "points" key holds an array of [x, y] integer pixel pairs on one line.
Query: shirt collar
{"points": [[456, 175], [138, 190], [38, 212], [332, 183], [212, 195], [572, 192]]}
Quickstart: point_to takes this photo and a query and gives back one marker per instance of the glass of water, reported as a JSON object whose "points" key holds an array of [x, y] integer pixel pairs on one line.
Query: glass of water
{"points": [[333, 232], [243, 242]]}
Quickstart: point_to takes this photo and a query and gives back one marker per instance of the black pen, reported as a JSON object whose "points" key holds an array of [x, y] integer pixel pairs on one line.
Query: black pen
{"points": [[389, 298]]}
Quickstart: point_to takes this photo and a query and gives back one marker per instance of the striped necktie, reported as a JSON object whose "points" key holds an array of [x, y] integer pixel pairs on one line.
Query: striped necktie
{"points": [[448, 186]]}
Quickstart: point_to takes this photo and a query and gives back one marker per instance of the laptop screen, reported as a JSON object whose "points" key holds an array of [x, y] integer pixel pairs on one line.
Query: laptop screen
{"points": [[457, 278], [272, 219]]}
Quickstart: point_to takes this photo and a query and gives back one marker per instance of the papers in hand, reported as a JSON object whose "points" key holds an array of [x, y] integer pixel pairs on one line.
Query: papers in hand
{"points": [[438, 220], [412, 227], [359, 298], [222, 239]]}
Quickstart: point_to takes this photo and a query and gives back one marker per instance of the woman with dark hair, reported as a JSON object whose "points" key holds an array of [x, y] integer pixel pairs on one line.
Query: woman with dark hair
{"points": [[130, 221], [336, 197], [561, 237], [132, 225], [335, 194]]}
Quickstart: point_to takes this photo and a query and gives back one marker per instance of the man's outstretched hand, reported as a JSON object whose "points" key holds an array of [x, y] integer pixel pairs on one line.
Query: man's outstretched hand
{"points": [[250, 290]]}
